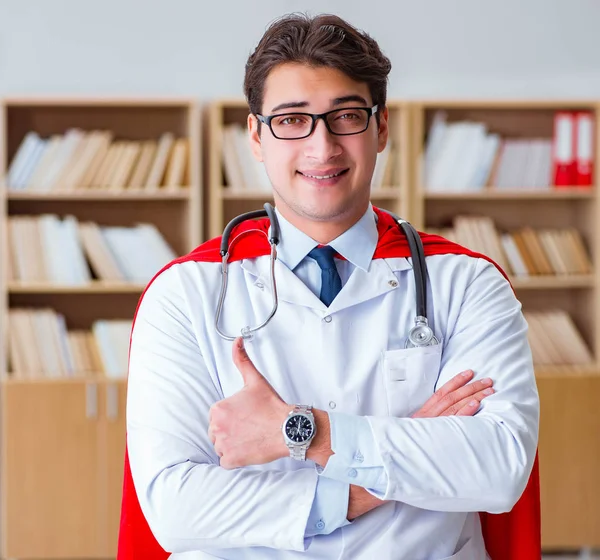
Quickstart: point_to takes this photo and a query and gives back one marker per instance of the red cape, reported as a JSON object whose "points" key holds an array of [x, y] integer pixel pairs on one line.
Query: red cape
{"points": [[515, 535]]}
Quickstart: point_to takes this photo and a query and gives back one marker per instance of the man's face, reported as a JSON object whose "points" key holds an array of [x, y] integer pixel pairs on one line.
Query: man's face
{"points": [[300, 170]]}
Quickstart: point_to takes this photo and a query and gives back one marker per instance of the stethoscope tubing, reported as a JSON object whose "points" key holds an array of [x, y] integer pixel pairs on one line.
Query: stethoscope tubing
{"points": [[420, 335]]}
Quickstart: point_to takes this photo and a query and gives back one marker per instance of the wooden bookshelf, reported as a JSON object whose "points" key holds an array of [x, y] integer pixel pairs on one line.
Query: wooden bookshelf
{"points": [[88, 468], [569, 444], [63, 439], [229, 200]]}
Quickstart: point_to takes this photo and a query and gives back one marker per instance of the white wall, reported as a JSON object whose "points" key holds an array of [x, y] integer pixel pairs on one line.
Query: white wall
{"points": [[438, 48]]}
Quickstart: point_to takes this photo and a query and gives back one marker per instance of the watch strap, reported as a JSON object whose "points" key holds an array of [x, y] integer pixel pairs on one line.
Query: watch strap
{"points": [[303, 408], [298, 452]]}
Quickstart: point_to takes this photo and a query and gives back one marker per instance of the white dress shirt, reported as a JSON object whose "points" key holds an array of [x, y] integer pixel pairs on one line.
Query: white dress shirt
{"points": [[348, 359]]}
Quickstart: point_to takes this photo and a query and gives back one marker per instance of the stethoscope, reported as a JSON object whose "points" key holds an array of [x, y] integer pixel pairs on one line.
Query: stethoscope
{"points": [[421, 334]]}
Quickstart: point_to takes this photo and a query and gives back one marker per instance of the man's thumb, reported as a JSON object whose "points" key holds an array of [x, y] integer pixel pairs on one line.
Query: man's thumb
{"points": [[243, 362]]}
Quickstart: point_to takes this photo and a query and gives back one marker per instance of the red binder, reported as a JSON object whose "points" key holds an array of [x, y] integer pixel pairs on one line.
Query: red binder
{"points": [[563, 149], [584, 148]]}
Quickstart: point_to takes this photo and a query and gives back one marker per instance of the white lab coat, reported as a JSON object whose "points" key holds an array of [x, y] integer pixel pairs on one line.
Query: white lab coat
{"points": [[348, 359]]}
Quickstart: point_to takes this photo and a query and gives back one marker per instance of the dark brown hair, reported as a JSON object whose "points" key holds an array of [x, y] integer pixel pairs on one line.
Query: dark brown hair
{"points": [[324, 40]]}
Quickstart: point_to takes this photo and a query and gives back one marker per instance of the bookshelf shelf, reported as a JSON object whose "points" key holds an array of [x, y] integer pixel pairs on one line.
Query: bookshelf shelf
{"points": [[95, 378], [583, 370], [104, 195], [514, 194], [554, 282], [92, 288]]}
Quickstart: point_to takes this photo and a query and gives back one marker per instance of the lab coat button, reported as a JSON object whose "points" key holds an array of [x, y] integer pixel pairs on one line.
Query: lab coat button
{"points": [[260, 285], [352, 473], [393, 283], [327, 318], [332, 405], [320, 525]]}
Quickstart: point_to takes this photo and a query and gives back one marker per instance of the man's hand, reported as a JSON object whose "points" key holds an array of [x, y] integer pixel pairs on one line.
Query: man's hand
{"points": [[455, 398], [246, 427]]}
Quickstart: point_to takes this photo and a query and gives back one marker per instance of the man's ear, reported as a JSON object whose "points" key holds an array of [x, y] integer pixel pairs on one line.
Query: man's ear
{"points": [[384, 131], [255, 143]]}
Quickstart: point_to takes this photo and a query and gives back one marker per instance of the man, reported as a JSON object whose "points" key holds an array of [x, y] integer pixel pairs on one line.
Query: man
{"points": [[380, 467]]}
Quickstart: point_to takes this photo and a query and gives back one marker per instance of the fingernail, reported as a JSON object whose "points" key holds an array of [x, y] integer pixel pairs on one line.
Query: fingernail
{"points": [[473, 403], [466, 373], [489, 391], [240, 343], [486, 380]]}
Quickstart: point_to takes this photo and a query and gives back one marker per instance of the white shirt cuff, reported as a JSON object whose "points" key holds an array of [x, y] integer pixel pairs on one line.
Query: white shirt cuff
{"points": [[330, 507], [356, 458]]}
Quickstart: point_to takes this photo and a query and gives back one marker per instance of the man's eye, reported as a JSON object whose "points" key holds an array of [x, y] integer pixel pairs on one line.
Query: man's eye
{"points": [[291, 120]]}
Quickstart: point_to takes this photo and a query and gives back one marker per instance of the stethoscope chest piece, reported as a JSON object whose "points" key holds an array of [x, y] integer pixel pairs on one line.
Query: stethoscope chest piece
{"points": [[420, 335]]}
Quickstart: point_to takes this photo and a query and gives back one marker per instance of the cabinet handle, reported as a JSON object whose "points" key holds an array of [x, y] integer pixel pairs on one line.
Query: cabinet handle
{"points": [[91, 401], [112, 402]]}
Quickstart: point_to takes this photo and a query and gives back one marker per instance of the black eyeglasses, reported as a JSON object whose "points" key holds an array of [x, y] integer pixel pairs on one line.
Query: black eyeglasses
{"points": [[341, 122]]}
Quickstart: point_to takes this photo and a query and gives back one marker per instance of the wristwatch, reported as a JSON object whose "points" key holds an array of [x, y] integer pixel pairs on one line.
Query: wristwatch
{"points": [[299, 429]]}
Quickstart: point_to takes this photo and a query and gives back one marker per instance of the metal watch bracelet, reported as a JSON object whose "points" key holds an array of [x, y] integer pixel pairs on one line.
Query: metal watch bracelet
{"points": [[298, 452]]}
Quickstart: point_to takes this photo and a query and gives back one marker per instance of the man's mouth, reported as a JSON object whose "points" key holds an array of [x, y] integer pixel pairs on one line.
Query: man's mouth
{"points": [[323, 175]]}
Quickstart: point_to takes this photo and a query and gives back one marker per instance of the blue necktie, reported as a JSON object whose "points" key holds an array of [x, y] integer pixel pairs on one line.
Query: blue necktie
{"points": [[331, 283]]}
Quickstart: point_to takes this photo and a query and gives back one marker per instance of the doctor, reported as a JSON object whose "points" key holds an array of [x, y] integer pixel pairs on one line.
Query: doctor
{"points": [[372, 462]]}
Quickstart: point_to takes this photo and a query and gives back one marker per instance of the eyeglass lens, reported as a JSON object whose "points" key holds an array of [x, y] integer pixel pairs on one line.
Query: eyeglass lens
{"points": [[343, 121]]}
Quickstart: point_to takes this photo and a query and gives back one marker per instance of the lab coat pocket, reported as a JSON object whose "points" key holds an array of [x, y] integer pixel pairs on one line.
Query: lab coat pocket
{"points": [[410, 375]]}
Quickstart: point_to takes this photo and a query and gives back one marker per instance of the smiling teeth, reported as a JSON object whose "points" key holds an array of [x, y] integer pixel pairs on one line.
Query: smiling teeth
{"points": [[322, 176]]}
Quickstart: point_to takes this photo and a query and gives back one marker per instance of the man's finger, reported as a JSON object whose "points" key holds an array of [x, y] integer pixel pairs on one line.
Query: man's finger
{"points": [[469, 405], [243, 362], [458, 395], [455, 383], [468, 409]]}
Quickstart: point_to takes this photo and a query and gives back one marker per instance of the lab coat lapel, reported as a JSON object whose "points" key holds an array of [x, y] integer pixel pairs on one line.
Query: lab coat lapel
{"points": [[364, 285], [289, 287], [360, 287]]}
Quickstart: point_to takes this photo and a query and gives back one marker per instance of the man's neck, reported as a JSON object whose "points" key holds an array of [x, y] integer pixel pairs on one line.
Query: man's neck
{"points": [[322, 232]]}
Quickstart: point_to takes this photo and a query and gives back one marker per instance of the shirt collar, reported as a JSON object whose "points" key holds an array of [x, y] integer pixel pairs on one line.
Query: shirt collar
{"points": [[356, 244]]}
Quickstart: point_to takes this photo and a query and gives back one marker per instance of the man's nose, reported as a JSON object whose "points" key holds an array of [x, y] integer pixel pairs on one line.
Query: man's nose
{"points": [[322, 145]]}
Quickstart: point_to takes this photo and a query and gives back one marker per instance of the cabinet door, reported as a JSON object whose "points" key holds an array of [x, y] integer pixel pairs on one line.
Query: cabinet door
{"points": [[570, 461], [50, 490], [113, 421]]}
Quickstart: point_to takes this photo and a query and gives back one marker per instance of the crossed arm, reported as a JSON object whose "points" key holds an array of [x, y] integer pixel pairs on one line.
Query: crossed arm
{"points": [[193, 501], [240, 444]]}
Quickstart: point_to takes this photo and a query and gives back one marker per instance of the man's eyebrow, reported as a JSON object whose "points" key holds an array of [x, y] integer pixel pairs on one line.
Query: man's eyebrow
{"points": [[290, 105], [336, 101], [347, 98]]}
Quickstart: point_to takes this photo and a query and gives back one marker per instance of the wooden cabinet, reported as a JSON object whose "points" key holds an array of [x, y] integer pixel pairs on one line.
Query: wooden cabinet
{"points": [[63, 468], [51, 470], [569, 461]]}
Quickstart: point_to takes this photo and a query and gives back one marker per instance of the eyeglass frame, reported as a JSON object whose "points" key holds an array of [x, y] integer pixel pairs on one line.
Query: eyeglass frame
{"points": [[371, 111]]}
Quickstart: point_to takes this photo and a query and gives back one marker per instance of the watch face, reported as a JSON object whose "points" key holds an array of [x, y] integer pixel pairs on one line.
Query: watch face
{"points": [[298, 428]]}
